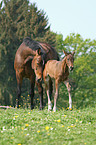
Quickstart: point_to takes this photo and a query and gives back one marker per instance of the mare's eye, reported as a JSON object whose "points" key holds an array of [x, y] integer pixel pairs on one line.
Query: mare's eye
{"points": [[68, 59]]}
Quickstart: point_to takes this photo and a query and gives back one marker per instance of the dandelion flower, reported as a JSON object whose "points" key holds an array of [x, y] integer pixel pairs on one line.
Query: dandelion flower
{"points": [[16, 116], [38, 131], [47, 127], [26, 125], [28, 112], [62, 125], [58, 120], [76, 120], [19, 143], [64, 115]]}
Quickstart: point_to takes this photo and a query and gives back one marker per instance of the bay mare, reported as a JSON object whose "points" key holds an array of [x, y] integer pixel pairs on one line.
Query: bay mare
{"points": [[27, 51]]}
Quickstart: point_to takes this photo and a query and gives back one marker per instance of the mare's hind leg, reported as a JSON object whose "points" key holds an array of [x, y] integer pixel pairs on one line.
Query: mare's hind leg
{"points": [[69, 91], [19, 83], [32, 91]]}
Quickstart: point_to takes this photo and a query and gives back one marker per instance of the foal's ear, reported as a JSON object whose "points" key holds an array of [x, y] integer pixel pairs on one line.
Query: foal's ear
{"points": [[73, 53], [38, 51], [65, 52]]}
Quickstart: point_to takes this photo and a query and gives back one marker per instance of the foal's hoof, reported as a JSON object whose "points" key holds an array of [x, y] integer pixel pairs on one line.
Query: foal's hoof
{"points": [[54, 109], [49, 107]]}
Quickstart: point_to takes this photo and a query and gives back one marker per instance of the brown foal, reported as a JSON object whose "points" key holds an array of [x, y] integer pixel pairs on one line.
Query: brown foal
{"points": [[59, 72]]}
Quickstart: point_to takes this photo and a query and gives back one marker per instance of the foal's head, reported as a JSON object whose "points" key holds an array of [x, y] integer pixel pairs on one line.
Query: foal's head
{"points": [[69, 59], [37, 65]]}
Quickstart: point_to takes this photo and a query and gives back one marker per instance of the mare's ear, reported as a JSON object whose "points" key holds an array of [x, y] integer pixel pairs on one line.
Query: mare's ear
{"points": [[65, 52], [38, 52], [73, 53]]}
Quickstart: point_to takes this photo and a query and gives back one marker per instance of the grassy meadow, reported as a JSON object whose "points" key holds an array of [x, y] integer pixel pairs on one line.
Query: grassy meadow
{"points": [[34, 127]]}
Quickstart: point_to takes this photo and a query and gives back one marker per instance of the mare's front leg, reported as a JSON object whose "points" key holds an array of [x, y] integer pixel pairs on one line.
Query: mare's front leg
{"points": [[19, 83], [40, 91], [32, 92], [69, 91], [56, 95]]}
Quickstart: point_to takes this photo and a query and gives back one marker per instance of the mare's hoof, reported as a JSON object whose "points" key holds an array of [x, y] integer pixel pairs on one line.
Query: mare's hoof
{"points": [[41, 108], [32, 107]]}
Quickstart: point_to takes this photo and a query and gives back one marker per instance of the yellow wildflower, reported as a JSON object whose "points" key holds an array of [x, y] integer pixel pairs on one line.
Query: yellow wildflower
{"points": [[38, 131], [16, 116], [19, 143], [26, 125], [64, 115], [40, 141], [47, 127], [58, 120], [62, 125], [76, 120], [28, 112]]}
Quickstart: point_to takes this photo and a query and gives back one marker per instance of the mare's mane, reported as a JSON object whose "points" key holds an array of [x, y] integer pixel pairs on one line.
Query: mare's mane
{"points": [[34, 45]]}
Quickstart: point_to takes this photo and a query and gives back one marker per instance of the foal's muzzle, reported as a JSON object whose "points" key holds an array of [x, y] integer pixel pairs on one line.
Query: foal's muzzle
{"points": [[71, 68]]}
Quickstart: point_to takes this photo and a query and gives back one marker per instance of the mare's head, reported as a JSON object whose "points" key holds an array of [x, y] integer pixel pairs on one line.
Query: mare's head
{"points": [[70, 59], [37, 65]]}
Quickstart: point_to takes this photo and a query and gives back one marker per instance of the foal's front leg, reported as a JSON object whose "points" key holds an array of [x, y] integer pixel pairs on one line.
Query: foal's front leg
{"points": [[48, 88], [56, 95], [69, 91]]}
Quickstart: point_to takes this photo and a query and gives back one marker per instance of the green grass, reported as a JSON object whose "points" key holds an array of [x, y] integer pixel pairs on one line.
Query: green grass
{"points": [[26, 127]]}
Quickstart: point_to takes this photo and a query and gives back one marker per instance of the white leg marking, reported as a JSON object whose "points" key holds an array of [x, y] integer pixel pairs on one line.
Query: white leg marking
{"points": [[69, 89], [49, 101]]}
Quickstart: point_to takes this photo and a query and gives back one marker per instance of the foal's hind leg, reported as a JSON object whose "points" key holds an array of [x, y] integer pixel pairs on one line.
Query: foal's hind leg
{"points": [[69, 91], [48, 86], [56, 95]]}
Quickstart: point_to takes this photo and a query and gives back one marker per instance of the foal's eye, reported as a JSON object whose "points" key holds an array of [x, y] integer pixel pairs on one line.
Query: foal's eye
{"points": [[68, 59]]}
